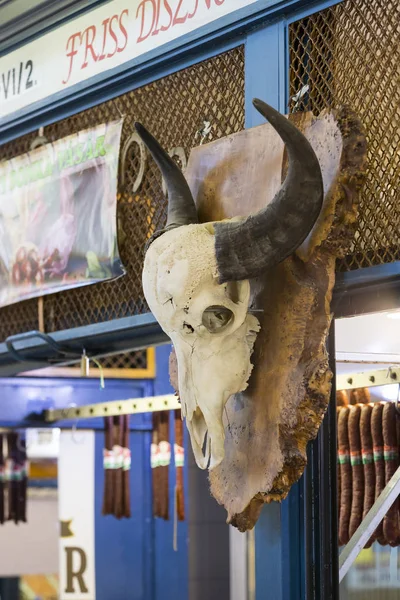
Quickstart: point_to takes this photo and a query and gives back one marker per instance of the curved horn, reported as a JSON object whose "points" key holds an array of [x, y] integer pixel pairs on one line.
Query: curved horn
{"points": [[181, 206], [246, 248]]}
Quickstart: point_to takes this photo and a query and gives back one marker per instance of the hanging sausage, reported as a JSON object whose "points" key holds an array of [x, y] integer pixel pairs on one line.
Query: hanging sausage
{"points": [[345, 475], [118, 430], [342, 398], [126, 510], [108, 462], [164, 459], [160, 461], [21, 474], [391, 529], [179, 455], [368, 463], [154, 462], [338, 472], [357, 471], [379, 463]]}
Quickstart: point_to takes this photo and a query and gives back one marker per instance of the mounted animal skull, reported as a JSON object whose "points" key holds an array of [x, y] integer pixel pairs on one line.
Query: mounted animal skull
{"points": [[196, 280]]}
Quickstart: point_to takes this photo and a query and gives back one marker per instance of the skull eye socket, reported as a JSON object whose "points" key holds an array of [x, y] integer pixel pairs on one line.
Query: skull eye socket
{"points": [[216, 318]]}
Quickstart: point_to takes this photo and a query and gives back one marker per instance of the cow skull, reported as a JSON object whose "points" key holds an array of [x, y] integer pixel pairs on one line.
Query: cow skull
{"points": [[196, 281]]}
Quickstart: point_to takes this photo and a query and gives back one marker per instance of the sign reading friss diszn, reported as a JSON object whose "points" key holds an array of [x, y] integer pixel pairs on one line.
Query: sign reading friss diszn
{"points": [[102, 39]]}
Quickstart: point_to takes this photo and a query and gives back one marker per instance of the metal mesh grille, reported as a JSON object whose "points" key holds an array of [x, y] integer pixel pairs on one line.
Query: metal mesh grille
{"points": [[127, 360], [174, 109], [136, 364], [350, 54]]}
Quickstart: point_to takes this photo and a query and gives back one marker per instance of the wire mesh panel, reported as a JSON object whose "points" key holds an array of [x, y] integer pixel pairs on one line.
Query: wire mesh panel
{"points": [[197, 104], [350, 54], [139, 364], [127, 360]]}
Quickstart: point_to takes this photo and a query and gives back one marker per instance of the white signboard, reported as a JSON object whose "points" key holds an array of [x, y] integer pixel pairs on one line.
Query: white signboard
{"points": [[76, 511], [100, 40]]}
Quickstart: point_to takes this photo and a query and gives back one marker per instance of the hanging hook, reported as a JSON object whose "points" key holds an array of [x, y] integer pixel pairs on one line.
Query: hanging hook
{"points": [[74, 427], [98, 365], [203, 131], [392, 374], [85, 364], [297, 98], [24, 446]]}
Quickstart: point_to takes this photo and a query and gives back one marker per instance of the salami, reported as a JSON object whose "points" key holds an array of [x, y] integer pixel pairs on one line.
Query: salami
{"points": [[377, 440], [367, 455], [391, 530], [165, 459], [179, 462], [360, 396], [364, 396], [357, 469], [155, 470], [22, 479], [345, 475], [108, 500], [126, 512], [118, 470], [342, 398]]}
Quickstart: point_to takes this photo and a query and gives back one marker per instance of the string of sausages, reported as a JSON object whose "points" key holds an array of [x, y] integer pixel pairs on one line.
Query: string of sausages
{"points": [[368, 456], [160, 459], [179, 456], [117, 464], [117, 461], [13, 478]]}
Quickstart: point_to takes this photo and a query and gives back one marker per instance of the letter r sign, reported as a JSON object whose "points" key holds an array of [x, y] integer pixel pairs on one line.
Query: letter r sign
{"points": [[77, 556], [76, 563]]}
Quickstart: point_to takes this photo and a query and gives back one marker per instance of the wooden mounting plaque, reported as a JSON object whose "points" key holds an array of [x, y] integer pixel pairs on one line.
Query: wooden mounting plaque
{"points": [[267, 427]]}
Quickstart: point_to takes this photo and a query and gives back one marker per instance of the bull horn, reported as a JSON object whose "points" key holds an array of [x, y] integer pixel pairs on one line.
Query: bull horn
{"points": [[246, 248], [181, 206]]}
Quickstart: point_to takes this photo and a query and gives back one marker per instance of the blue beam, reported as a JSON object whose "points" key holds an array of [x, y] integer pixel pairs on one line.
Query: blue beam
{"points": [[23, 400], [23, 21], [265, 78], [99, 339]]}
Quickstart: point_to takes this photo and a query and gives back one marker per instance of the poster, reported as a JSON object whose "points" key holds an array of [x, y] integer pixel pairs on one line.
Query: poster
{"points": [[76, 512], [58, 225]]}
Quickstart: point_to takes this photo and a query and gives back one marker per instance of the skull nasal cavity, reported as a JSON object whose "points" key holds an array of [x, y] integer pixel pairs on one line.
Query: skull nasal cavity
{"points": [[216, 318]]}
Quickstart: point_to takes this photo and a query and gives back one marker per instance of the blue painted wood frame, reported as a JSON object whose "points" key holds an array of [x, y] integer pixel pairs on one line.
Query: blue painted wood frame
{"points": [[265, 77], [23, 399], [123, 547], [30, 23], [171, 567], [279, 534]]}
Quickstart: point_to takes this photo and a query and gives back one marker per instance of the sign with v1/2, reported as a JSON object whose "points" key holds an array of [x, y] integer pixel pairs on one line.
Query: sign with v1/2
{"points": [[17, 80]]}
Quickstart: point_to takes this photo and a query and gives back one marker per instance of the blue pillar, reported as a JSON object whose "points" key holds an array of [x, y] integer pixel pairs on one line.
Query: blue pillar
{"points": [[277, 533]]}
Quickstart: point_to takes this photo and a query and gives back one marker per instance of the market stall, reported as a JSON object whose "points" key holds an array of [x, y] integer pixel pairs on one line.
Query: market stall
{"points": [[87, 195]]}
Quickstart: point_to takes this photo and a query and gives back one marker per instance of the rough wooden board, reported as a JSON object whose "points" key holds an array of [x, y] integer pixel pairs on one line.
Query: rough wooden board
{"points": [[268, 426]]}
